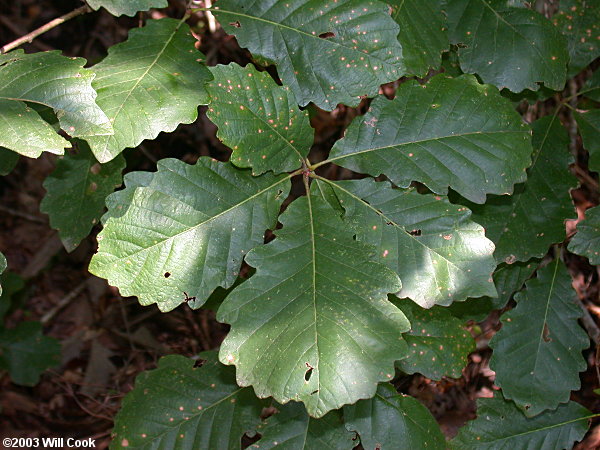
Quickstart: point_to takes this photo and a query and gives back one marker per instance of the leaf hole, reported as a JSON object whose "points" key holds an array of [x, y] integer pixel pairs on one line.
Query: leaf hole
{"points": [[327, 35], [415, 232], [199, 363], [316, 391], [308, 373], [167, 274], [236, 24], [546, 333]]}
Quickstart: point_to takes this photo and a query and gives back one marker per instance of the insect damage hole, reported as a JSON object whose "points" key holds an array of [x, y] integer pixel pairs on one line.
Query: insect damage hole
{"points": [[415, 233], [167, 274], [308, 373], [236, 24], [327, 35]]}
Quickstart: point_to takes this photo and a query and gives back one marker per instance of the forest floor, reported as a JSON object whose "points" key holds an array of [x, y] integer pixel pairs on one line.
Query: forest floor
{"points": [[106, 339]]}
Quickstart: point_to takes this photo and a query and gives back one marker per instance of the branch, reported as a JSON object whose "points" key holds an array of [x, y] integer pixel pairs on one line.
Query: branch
{"points": [[52, 24]]}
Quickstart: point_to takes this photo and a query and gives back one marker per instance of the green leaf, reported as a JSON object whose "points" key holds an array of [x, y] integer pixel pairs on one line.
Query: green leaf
{"points": [[390, 420], [587, 240], [509, 278], [25, 352], [258, 119], [328, 53], [126, 7], [150, 83], [438, 343], [440, 255], [321, 297], [526, 223], [449, 132], [186, 231], [8, 160], [293, 428], [184, 407], [11, 285], [589, 128], [3, 265], [543, 335], [24, 131], [592, 87], [579, 21], [500, 425], [508, 47], [53, 80], [423, 34], [76, 191]]}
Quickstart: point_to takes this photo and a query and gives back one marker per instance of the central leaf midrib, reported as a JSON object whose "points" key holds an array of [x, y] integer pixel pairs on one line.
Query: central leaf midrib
{"points": [[161, 242]]}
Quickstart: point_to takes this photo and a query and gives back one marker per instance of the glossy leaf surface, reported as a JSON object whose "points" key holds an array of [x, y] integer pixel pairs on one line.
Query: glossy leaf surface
{"points": [[516, 48], [327, 52], [439, 253], [525, 224], [448, 133], [126, 7], [258, 119], [314, 323], [293, 428], [543, 335], [390, 420], [186, 231], [179, 406], [150, 83]]}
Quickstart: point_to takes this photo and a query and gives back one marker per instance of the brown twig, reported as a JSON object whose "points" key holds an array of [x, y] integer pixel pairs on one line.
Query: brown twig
{"points": [[52, 24]]}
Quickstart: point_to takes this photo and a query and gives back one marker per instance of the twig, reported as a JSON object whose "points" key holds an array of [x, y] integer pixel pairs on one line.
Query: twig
{"points": [[63, 302], [589, 323], [52, 24], [23, 215]]}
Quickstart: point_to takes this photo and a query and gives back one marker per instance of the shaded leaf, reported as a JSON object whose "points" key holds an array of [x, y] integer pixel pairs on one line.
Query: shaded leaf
{"points": [[53, 80], [179, 406], [589, 128], [320, 296], [11, 285], [438, 343], [186, 231], [150, 83], [449, 132], [76, 191], [509, 278], [439, 253], [293, 428], [500, 425], [328, 53], [390, 420], [525, 224], [423, 34], [587, 240], [8, 161], [579, 21], [543, 335], [25, 352], [3, 265], [591, 88], [126, 7], [508, 47], [24, 131], [258, 119]]}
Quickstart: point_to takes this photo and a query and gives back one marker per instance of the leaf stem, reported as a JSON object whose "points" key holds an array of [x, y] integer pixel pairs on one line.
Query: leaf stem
{"points": [[47, 27]]}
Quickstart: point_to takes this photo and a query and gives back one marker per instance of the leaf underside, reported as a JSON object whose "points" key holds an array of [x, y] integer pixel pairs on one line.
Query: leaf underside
{"points": [[327, 52], [447, 133], [178, 406], [258, 119], [543, 335], [516, 48], [186, 231], [150, 83], [314, 323]]}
